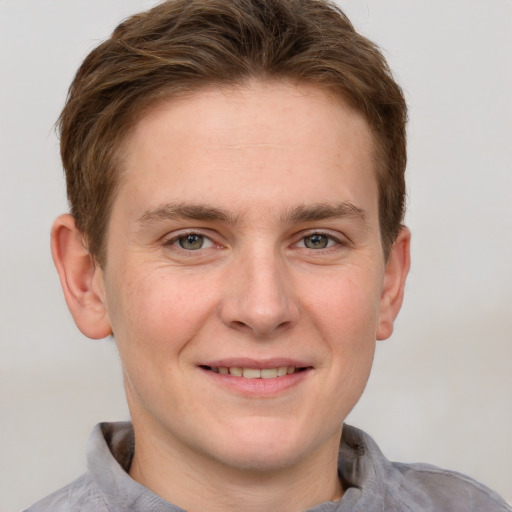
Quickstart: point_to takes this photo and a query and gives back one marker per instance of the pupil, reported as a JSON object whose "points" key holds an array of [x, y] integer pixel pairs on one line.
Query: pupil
{"points": [[191, 242], [316, 241]]}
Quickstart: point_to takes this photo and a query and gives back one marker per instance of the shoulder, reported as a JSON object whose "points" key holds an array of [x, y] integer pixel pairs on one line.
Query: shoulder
{"points": [[442, 489], [79, 496], [379, 484]]}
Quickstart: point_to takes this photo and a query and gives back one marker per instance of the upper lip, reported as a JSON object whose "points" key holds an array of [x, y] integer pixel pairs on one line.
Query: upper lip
{"points": [[245, 362]]}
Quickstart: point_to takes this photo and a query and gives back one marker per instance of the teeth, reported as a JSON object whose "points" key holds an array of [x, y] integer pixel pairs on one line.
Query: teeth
{"points": [[251, 373], [255, 373], [269, 373]]}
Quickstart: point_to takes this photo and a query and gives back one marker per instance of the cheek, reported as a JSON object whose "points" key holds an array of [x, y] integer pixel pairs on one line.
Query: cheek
{"points": [[156, 312], [155, 317], [345, 308], [348, 320]]}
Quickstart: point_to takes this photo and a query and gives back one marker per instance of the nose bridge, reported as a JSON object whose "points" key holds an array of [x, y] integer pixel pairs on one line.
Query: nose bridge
{"points": [[260, 294]]}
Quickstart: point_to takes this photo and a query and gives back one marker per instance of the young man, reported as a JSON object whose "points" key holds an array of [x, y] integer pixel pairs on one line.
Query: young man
{"points": [[235, 172]]}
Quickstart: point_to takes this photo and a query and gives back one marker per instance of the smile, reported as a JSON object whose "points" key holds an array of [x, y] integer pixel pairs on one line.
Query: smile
{"points": [[254, 373]]}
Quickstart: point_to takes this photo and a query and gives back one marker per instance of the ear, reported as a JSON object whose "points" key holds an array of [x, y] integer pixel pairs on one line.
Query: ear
{"points": [[397, 268], [81, 279]]}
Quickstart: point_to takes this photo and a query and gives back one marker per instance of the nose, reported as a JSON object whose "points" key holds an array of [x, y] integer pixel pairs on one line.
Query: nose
{"points": [[259, 296]]}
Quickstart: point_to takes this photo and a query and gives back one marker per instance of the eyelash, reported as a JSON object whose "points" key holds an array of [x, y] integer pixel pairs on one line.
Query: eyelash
{"points": [[332, 241], [175, 241], [330, 238]]}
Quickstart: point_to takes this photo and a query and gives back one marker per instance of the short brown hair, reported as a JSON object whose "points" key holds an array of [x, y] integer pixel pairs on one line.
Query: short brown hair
{"points": [[181, 46]]}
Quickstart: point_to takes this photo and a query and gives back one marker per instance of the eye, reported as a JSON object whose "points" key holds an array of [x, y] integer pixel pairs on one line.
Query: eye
{"points": [[192, 242], [317, 241]]}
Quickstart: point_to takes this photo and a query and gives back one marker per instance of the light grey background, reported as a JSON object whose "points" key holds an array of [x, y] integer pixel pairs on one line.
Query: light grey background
{"points": [[441, 390]]}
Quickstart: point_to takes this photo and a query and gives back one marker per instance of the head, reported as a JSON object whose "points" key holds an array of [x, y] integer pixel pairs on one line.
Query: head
{"points": [[182, 46], [235, 172]]}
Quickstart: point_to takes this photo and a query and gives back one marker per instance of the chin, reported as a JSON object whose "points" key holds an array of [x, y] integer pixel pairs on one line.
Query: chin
{"points": [[258, 459], [267, 446]]}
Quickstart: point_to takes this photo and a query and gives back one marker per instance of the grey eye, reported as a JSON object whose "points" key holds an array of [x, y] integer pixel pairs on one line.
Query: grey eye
{"points": [[191, 242], [316, 241]]}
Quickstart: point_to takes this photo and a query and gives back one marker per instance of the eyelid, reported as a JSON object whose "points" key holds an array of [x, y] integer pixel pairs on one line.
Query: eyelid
{"points": [[339, 238], [171, 239]]}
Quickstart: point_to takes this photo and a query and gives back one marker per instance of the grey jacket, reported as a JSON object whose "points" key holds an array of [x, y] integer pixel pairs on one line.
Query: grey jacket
{"points": [[372, 483]]}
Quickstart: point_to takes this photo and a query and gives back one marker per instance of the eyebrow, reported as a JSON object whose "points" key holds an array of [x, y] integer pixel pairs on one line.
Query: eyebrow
{"points": [[324, 211], [173, 211], [203, 212]]}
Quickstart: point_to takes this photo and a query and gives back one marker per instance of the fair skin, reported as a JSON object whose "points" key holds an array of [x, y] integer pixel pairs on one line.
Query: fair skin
{"points": [[244, 239]]}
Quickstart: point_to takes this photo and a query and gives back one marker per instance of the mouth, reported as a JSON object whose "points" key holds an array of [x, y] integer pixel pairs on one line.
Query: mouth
{"points": [[255, 373]]}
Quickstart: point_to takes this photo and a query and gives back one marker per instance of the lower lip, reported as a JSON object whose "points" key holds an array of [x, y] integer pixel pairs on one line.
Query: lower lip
{"points": [[258, 387]]}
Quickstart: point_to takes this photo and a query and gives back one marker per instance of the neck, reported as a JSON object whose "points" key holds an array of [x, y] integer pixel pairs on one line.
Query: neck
{"points": [[178, 473]]}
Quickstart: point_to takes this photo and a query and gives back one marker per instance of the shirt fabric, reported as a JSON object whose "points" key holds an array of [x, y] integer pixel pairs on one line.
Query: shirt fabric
{"points": [[372, 483]]}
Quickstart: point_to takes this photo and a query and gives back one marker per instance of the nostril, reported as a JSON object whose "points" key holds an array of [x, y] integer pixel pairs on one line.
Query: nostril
{"points": [[263, 315]]}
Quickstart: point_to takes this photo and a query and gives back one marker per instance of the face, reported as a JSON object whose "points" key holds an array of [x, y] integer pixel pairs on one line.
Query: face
{"points": [[245, 276]]}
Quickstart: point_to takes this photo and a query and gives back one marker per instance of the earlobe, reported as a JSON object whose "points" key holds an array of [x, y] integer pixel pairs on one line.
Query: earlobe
{"points": [[81, 280], [397, 268]]}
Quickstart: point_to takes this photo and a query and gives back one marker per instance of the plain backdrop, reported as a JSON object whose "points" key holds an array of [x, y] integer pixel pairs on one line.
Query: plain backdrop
{"points": [[441, 389]]}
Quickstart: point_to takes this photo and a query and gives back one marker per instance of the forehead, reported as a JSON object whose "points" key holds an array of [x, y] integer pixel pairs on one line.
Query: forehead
{"points": [[272, 144]]}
